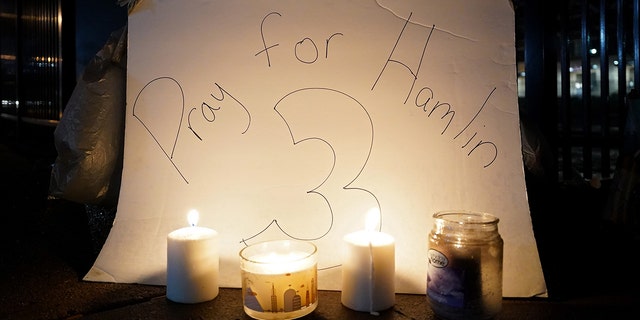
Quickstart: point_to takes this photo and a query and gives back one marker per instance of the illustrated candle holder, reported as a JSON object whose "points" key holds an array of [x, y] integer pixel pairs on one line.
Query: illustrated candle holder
{"points": [[279, 279]]}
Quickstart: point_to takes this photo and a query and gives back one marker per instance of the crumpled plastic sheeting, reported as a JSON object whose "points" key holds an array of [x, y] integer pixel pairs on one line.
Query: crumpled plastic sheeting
{"points": [[89, 138]]}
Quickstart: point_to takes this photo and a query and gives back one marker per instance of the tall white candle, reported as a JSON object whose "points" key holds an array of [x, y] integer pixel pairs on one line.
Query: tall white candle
{"points": [[192, 263], [368, 268]]}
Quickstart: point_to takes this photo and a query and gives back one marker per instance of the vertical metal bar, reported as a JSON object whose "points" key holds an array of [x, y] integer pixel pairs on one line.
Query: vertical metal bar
{"points": [[565, 94], [54, 59], [46, 55], [540, 78], [50, 56], [67, 48], [41, 34], [586, 93], [51, 74], [622, 63], [636, 44], [51, 37], [604, 92], [20, 61], [57, 112], [533, 38], [37, 94], [550, 80]]}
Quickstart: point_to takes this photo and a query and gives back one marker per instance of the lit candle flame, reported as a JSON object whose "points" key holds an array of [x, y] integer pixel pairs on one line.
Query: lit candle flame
{"points": [[193, 217], [373, 219]]}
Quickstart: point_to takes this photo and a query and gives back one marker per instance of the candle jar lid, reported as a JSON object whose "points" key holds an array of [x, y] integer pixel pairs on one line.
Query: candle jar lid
{"points": [[468, 225], [466, 217]]}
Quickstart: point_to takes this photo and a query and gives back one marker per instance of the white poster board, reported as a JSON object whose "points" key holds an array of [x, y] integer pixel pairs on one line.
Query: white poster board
{"points": [[291, 119]]}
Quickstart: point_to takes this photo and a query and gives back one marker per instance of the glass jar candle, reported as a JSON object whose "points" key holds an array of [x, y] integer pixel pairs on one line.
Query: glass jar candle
{"points": [[464, 272], [279, 279]]}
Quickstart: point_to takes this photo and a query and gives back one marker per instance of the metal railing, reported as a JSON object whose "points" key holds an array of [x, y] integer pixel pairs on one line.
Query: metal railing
{"points": [[36, 55], [580, 62]]}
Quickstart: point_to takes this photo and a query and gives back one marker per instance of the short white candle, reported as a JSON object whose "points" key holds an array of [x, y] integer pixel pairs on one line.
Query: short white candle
{"points": [[368, 268], [192, 263]]}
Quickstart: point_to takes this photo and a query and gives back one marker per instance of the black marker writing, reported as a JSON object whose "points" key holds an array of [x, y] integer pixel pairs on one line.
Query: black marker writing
{"points": [[264, 43], [189, 124], [305, 50], [207, 110], [392, 60], [311, 51], [344, 159], [326, 50], [424, 97], [492, 146], [179, 113]]}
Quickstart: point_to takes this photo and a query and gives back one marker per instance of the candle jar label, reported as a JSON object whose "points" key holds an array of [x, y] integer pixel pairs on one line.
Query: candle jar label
{"points": [[290, 294], [456, 284], [279, 279]]}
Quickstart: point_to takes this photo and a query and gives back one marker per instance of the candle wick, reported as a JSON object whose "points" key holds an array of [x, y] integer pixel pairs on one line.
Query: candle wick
{"points": [[193, 217]]}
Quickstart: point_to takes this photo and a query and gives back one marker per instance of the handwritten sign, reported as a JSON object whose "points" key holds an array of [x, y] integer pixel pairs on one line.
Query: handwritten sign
{"points": [[291, 119]]}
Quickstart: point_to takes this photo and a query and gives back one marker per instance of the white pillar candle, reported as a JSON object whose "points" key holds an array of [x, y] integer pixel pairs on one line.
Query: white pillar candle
{"points": [[368, 268], [192, 263]]}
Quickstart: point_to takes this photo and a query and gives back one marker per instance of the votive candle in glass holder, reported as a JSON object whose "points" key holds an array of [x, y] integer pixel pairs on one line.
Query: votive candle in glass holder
{"points": [[464, 272], [279, 279]]}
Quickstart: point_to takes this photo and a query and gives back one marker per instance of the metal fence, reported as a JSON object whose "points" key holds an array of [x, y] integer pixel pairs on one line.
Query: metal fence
{"points": [[578, 63], [37, 59]]}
